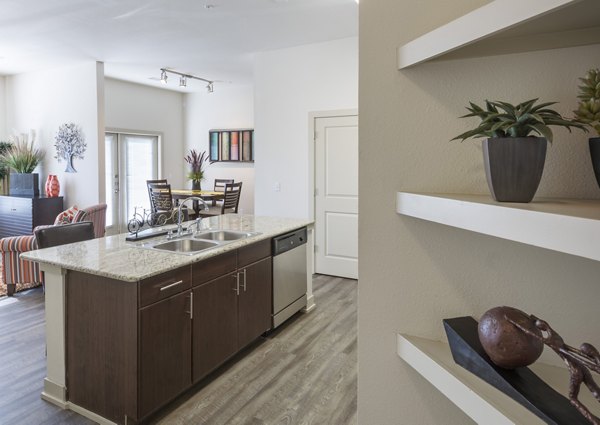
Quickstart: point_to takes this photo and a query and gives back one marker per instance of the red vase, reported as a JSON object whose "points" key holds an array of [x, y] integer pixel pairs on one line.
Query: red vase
{"points": [[52, 186]]}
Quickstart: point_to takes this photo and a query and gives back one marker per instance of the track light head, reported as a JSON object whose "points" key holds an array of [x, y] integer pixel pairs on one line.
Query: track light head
{"points": [[183, 78]]}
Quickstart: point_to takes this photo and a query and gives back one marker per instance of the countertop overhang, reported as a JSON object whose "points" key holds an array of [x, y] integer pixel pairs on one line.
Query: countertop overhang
{"points": [[115, 258]]}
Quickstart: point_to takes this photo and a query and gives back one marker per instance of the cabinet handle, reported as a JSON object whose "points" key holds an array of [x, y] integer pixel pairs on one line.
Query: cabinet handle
{"points": [[237, 283], [191, 312], [244, 280], [164, 288]]}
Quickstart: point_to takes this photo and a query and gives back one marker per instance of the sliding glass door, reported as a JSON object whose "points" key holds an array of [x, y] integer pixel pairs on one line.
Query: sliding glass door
{"points": [[131, 159]]}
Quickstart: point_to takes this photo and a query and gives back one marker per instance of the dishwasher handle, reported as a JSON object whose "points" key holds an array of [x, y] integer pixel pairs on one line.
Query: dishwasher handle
{"points": [[289, 241]]}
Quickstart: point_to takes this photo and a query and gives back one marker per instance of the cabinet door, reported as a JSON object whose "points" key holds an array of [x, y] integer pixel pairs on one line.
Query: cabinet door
{"points": [[215, 324], [165, 351], [254, 304]]}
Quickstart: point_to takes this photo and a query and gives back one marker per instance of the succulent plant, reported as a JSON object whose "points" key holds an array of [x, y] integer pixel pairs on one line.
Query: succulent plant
{"points": [[588, 110], [502, 119]]}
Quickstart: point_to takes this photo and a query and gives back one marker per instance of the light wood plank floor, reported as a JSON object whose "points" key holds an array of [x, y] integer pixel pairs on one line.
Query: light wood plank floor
{"points": [[303, 373]]}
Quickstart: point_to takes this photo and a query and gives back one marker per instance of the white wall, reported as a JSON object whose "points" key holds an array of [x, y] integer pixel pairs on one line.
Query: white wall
{"points": [[3, 130], [226, 107], [136, 107], [414, 273], [44, 100], [289, 84]]}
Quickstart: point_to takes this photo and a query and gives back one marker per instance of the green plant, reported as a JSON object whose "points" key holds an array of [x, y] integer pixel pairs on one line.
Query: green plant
{"points": [[197, 162], [22, 157], [588, 110], [502, 119], [4, 147]]}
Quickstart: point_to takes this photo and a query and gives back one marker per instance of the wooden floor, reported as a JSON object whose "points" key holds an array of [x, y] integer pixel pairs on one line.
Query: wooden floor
{"points": [[303, 373]]}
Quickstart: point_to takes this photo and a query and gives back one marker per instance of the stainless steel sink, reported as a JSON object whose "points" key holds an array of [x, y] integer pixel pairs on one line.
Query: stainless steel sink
{"points": [[223, 235], [191, 244], [185, 246]]}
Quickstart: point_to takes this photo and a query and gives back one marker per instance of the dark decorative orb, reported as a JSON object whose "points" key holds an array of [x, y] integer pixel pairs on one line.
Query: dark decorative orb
{"points": [[507, 345]]}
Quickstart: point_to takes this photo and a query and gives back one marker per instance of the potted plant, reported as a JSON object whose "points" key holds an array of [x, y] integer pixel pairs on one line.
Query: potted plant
{"points": [[4, 146], [22, 157], [197, 162], [513, 158], [588, 112]]}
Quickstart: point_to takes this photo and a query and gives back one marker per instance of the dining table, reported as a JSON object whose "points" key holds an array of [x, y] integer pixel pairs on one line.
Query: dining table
{"points": [[207, 195]]}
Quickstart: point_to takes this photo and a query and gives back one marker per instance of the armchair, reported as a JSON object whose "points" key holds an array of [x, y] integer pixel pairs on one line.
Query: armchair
{"points": [[16, 270]]}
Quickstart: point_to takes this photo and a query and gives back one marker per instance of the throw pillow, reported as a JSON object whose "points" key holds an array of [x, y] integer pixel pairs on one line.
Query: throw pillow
{"points": [[67, 216], [80, 216]]}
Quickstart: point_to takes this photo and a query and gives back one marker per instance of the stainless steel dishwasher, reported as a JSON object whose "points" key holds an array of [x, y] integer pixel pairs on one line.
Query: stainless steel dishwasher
{"points": [[289, 275]]}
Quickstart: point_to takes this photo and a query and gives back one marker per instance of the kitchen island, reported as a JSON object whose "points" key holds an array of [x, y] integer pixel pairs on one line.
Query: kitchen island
{"points": [[130, 328]]}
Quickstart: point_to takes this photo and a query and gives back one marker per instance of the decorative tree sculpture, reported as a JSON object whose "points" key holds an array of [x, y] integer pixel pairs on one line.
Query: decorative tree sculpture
{"points": [[70, 143]]}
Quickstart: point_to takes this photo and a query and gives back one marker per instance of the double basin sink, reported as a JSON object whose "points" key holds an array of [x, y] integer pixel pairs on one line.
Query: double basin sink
{"points": [[200, 241]]}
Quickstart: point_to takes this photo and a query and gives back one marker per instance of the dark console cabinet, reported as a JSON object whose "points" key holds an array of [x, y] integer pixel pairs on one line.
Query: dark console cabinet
{"points": [[19, 215]]}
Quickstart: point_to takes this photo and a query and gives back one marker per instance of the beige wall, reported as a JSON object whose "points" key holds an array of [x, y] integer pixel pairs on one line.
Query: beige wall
{"points": [[3, 130], [423, 272], [289, 84], [136, 107], [226, 107], [42, 101]]}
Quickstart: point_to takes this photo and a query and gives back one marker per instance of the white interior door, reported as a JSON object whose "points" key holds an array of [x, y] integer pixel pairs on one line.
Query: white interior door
{"points": [[336, 196]]}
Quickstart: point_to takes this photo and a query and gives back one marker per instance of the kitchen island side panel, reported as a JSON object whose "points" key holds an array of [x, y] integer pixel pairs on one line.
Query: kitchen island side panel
{"points": [[102, 341]]}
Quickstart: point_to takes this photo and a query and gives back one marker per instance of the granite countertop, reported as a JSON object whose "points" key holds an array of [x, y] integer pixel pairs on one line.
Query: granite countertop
{"points": [[115, 258]]}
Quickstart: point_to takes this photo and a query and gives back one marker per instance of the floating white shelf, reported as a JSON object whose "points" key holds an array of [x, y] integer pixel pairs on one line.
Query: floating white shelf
{"points": [[508, 26], [571, 226], [479, 400]]}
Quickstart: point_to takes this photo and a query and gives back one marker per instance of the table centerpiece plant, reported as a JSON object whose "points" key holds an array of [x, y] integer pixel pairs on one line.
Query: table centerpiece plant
{"points": [[197, 162], [588, 112], [22, 158], [514, 150]]}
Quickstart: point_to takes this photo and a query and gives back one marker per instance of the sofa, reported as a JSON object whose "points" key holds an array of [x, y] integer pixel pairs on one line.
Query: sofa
{"points": [[16, 270]]}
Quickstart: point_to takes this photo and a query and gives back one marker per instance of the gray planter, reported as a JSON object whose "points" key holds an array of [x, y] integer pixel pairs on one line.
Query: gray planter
{"points": [[514, 167], [24, 184], [595, 155]]}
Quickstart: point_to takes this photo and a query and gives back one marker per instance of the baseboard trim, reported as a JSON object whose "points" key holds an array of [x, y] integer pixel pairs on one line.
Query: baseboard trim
{"points": [[310, 304]]}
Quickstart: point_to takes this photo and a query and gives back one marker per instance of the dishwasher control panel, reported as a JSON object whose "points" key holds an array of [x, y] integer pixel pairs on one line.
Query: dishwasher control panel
{"points": [[289, 241]]}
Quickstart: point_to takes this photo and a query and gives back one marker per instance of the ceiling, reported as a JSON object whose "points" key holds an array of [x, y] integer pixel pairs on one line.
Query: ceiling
{"points": [[213, 39]]}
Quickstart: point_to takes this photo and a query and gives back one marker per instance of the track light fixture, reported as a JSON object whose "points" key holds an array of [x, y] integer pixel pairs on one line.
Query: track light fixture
{"points": [[184, 77]]}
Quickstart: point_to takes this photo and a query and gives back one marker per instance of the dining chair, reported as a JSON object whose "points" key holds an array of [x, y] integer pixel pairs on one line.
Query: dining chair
{"points": [[220, 184], [230, 204], [161, 201]]}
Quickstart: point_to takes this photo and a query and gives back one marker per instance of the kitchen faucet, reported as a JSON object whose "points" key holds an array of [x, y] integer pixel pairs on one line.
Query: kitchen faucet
{"points": [[193, 198]]}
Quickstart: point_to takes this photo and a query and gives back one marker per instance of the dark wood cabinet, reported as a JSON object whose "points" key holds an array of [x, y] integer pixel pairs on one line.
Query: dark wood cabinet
{"points": [[215, 324], [20, 215], [231, 311], [165, 351], [254, 301], [134, 346]]}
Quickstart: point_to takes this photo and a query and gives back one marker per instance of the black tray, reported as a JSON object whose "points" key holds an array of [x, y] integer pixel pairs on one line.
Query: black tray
{"points": [[521, 384]]}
